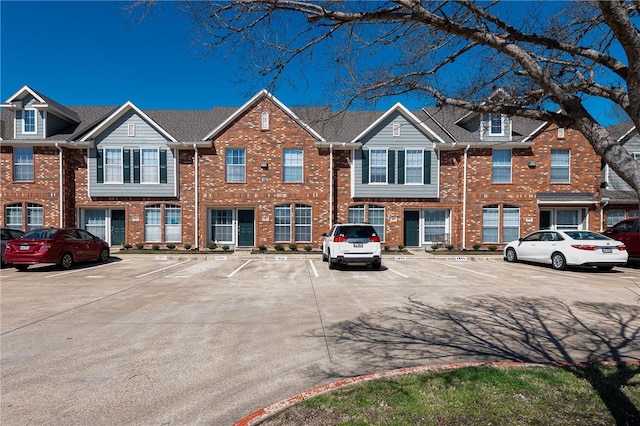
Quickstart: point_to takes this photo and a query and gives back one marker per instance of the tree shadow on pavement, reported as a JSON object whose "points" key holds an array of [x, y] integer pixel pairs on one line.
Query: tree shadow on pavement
{"points": [[490, 328]]}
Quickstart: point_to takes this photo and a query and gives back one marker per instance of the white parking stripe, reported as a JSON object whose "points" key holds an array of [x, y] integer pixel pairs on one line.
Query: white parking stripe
{"points": [[398, 273], [79, 270], [163, 269], [241, 266], [313, 268], [465, 269]]}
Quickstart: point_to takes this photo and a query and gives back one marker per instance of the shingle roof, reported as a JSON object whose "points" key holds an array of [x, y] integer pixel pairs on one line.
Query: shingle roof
{"points": [[619, 197]]}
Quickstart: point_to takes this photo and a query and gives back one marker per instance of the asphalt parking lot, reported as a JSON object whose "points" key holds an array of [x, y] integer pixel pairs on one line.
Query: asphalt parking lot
{"points": [[208, 339]]}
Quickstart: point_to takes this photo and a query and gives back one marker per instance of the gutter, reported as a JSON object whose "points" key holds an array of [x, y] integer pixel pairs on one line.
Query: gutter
{"points": [[61, 189], [330, 186]]}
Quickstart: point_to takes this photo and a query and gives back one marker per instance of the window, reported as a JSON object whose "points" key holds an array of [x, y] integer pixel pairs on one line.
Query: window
{"points": [[495, 124], [435, 225], [396, 130], [293, 165], [559, 166], [490, 224], [615, 216], [501, 166], [378, 166], [235, 161], [152, 223], [413, 166], [29, 122], [34, 216], [172, 223], [568, 219], [222, 226], [356, 214], [302, 223], [264, 120], [13, 216], [510, 223], [376, 218], [560, 132], [95, 221], [149, 166], [131, 129], [283, 224], [23, 164], [113, 165]]}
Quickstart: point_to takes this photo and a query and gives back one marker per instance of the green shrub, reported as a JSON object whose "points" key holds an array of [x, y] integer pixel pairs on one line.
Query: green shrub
{"points": [[434, 247], [262, 247], [225, 247], [212, 246], [187, 246], [293, 247], [278, 247], [308, 248], [155, 247], [387, 248], [492, 248], [170, 246], [400, 247], [139, 246], [477, 246], [449, 247], [126, 246]]}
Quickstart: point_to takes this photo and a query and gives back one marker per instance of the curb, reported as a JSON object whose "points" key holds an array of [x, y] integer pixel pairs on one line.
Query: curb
{"points": [[273, 409]]}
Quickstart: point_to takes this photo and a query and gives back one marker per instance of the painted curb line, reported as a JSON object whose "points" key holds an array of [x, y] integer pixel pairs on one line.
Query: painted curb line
{"points": [[273, 409]]}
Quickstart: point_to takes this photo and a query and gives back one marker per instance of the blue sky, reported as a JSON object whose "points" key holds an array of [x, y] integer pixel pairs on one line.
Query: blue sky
{"points": [[97, 53]]}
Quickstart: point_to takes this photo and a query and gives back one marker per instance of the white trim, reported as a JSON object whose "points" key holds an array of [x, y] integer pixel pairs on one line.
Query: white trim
{"points": [[422, 167], [407, 115], [35, 121], [131, 129], [264, 120], [119, 113], [264, 93]]}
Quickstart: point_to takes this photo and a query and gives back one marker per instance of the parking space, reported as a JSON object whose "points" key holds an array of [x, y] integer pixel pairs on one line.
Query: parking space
{"points": [[208, 339]]}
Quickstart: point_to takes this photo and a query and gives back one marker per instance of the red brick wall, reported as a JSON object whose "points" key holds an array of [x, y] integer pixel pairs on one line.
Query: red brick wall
{"points": [[44, 190], [264, 188]]}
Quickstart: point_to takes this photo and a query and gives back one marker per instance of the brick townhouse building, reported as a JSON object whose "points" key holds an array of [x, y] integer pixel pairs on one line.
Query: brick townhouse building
{"points": [[265, 173]]}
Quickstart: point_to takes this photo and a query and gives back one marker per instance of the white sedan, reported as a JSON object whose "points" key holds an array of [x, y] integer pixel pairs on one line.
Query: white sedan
{"points": [[568, 248]]}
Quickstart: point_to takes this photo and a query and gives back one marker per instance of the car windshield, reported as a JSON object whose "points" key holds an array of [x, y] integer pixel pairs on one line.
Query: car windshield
{"points": [[586, 235], [43, 234]]}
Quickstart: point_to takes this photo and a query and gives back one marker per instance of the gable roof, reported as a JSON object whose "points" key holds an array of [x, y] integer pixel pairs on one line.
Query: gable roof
{"points": [[398, 107], [45, 102], [249, 104], [128, 106]]}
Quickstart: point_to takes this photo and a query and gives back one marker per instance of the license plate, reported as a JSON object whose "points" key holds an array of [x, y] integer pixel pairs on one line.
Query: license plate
{"points": [[357, 244], [24, 248], [607, 250]]}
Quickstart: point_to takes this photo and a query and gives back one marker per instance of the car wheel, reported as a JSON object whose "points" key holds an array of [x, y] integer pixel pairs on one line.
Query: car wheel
{"points": [[332, 264], [511, 255], [67, 261], [21, 267], [376, 265], [104, 255], [558, 261]]}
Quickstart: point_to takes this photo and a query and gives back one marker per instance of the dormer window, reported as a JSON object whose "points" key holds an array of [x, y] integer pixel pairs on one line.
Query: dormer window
{"points": [[495, 124], [396, 130], [264, 124], [29, 121]]}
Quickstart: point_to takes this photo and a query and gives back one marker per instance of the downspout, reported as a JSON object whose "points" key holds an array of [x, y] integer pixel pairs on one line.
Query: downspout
{"points": [[331, 186], [60, 175], [464, 201], [197, 208], [603, 204]]}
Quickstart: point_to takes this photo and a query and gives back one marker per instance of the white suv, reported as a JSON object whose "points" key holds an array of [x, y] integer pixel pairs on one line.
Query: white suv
{"points": [[351, 243]]}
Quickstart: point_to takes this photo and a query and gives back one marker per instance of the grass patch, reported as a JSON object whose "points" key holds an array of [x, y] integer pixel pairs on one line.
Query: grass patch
{"points": [[584, 395]]}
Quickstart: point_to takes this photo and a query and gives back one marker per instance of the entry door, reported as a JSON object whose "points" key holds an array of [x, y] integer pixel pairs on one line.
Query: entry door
{"points": [[411, 228], [245, 228], [117, 227]]}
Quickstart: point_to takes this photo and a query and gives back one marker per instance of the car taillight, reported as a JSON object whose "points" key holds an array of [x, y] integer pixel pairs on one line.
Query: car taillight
{"points": [[622, 248], [339, 239], [374, 239], [584, 247], [44, 247]]}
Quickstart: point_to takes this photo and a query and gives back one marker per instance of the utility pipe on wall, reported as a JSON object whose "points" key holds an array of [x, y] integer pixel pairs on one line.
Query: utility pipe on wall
{"points": [[464, 200], [61, 189], [330, 186], [197, 208]]}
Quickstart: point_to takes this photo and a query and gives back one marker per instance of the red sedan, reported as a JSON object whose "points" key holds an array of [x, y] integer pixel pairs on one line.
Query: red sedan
{"points": [[63, 247]]}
